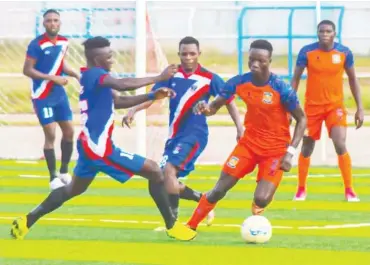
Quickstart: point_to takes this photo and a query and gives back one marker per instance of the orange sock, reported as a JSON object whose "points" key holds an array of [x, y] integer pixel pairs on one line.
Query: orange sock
{"points": [[345, 166], [203, 208], [256, 210], [303, 165]]}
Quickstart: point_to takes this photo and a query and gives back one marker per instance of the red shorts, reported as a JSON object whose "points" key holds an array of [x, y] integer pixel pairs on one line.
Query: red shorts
{"points": [[335, 115], [243, 161]]}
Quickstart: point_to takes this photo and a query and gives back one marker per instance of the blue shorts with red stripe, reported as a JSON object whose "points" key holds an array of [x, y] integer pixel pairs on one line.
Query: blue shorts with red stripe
{"points": [[119, 165], [183, 152]]}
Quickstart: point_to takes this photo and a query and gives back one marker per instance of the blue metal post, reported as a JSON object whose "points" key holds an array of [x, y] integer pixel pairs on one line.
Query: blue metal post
{"points": [[290, 44]]}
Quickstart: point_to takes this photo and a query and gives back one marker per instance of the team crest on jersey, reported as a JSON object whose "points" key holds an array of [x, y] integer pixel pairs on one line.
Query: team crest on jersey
{"points": [[336, 58], [233, 161], [267, 97], [177, 149]]}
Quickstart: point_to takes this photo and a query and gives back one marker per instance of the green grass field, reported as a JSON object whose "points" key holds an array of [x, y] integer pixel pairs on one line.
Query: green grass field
{"points": [[113, 223]]}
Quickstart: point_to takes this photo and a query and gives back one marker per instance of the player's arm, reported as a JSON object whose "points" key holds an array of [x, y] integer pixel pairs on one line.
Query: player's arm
{"points": [[355, 89], [124, 102], [235, 116], [301, 64], [210, 109], [126, 84], [70, 71], [300, 127]]}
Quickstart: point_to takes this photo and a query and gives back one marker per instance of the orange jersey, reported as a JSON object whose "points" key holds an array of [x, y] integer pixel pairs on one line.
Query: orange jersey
{"points": [[266, 121], [324, 73]]}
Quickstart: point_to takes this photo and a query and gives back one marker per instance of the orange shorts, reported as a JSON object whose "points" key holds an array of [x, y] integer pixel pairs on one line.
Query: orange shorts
{"points": [[243, 161], [332, 115]]}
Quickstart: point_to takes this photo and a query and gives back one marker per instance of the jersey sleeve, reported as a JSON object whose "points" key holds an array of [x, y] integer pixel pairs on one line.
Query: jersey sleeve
{"points": [[99, 75], [288, 96], [33, 50], [229, 89], [349, 61], [302, 58], [161, 84], [216, 86]]}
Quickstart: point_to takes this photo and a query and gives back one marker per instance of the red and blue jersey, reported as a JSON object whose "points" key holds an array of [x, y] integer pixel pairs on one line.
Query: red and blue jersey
{"points": [[49, 56], [190, 89], [97, 113]]}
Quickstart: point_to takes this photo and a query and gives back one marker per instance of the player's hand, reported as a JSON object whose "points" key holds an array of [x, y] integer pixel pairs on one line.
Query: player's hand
{"points": [[59, 80], [201, 107], [168, 72], [286, 162], [359, 118], [164, 92], [128, 118], [239, 134]]}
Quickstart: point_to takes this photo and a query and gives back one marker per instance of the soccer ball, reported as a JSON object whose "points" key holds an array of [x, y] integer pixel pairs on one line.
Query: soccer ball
{"points": [[256, 229]]}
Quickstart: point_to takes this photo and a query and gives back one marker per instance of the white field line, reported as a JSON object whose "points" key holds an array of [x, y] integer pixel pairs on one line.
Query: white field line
{"points": [[343, 226]]}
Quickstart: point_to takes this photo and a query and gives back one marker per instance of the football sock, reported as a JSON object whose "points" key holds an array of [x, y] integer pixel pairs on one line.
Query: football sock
{"points": [[256, 210], [67, 148], [174, 202], [303, 165], [190, 194], [55, 199], [345, 167], [160, 196], [51, 162], [202, 210]]}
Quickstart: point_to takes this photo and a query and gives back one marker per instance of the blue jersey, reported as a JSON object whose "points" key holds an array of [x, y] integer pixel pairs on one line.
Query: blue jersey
{"points": [[49, 58], [97, 112], [190, 89]]}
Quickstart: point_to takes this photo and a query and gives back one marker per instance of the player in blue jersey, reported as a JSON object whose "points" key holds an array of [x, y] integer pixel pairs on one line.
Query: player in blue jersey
{"points": [[45, 65], [188, 133], [97, 153]]}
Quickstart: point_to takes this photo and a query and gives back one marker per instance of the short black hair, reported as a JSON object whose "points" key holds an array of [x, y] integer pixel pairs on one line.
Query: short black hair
{"points": [[326, 22], [189, 40], [262, 44], [95, 43], [51, 11]]}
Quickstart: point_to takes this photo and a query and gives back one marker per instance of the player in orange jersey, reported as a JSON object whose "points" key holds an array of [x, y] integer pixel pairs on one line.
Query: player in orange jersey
{"points": [[266, 142], [326, 62]]}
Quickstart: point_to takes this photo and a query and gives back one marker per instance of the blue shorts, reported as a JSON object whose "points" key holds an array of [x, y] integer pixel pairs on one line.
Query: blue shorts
{"points": [[48, 111], [119, 165], [183, 152]]}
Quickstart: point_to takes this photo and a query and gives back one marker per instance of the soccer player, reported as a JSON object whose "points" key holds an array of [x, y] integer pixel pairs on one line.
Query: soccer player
{"points": [[97, 153], [266, 142], [45, 65], [326, 61], [188, 133]]}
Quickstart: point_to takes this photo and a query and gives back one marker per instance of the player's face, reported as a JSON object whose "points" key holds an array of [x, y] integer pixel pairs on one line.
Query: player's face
{"points": [[52, 24], [326, 34], [189, 54], [259, 60], [105, 58]]}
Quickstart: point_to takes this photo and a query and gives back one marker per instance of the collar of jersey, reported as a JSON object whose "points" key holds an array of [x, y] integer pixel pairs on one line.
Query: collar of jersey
{"points": [[186, 75]]}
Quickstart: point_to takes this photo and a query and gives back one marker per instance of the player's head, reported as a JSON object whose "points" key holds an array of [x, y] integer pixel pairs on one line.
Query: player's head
{"points": [[52, 22], [326, 32], [98, 52], [260, 53], [189, 52]]}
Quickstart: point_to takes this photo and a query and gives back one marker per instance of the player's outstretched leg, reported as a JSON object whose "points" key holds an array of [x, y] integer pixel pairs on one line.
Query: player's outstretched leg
{"points": [[49, 154], [188, 193], [338, 135], [56, 198], [263, 195], [303, 166], [66, 146], [209, 200], [172, 186], [157, 190]]}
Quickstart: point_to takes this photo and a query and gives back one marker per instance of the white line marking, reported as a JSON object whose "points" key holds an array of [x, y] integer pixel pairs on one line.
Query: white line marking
{"points": [[342, 226]]}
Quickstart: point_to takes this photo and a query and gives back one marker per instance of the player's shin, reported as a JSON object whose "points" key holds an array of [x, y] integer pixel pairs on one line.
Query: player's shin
{"points": [[49, 155], [187, 193], [202, 210], [67, 149], [55, 199], [160, 196]]}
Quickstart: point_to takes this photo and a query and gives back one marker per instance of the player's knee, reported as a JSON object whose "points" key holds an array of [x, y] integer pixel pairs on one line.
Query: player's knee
{"points": [[68, 134], [155, 173], [262, 200], [49, 141], [308, 146], [340, 147]]}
